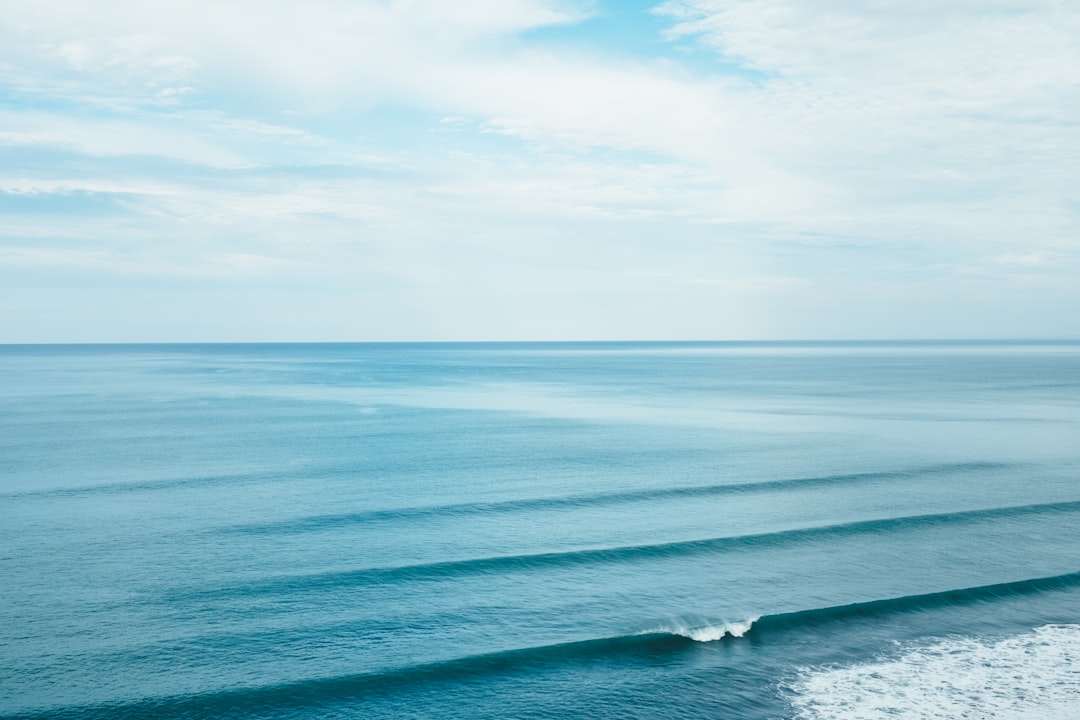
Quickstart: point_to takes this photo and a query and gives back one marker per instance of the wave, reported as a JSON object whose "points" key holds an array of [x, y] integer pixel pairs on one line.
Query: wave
{"points": [[323, 522], [499, 564], [314, 692], [708, 632], [258, 477], [1024, 676], [170, 483], [891, 606]]}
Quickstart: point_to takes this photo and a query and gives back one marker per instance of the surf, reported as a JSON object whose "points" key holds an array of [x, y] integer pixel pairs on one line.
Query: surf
{"points": [[666, 638], [1028, 676]]}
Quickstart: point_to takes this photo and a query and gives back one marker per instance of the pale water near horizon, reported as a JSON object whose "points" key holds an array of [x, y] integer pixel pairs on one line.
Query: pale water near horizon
{"points": [[551, 530]]}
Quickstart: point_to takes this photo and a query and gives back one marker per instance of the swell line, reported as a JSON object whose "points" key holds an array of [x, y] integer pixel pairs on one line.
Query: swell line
{"points": [[316, 692], [914, 603], [321, 522], [508, 563], [194, 481], [325, 691]]}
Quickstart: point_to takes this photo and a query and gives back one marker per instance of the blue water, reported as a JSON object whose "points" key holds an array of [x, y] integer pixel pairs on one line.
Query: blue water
{"points": [[611, 530]]}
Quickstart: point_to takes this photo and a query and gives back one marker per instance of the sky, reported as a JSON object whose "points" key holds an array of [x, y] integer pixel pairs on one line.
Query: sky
{"points": [[396, 170]]}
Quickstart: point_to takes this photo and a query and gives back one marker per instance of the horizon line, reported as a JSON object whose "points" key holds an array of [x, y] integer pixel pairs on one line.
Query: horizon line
{"points": [[785, 341]]}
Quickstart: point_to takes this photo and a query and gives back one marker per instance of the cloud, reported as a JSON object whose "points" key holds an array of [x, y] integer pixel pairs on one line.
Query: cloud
{"points": [[277, 53], [991, 49], [899, 72], [949, 120], [768, 150], [151, 135], [1027, 260]]}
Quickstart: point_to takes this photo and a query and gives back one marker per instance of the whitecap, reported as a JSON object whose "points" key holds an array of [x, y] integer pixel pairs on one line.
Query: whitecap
{"points": [[708, 632], [1034, 676]]}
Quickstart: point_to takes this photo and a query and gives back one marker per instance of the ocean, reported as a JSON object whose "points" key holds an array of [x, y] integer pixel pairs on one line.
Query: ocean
{"points": [[812, 531]]}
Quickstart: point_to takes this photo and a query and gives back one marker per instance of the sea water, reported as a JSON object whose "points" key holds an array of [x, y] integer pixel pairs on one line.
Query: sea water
{"points": [[609, 530]]}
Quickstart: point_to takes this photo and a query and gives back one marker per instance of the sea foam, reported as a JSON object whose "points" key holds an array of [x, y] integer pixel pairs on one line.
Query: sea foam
{"points": [[1032, 676], [707, 632]]}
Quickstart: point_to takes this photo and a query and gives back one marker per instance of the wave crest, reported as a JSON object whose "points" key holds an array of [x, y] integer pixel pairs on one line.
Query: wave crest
{"points": [[1013, 678], [707, 632]]}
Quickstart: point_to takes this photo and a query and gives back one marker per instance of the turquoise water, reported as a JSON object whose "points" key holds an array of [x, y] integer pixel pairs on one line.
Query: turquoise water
{"points": [[610, 530]]}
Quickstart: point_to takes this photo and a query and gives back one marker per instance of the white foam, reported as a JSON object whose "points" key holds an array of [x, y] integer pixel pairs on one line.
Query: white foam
{"points": [[708, 632], [1034, 676]]}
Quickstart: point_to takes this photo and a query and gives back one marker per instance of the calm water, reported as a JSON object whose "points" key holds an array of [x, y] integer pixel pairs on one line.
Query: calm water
{"points": [[540, 531]]}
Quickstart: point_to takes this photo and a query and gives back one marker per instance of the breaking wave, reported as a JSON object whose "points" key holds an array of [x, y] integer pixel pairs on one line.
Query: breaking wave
{"points": [[708, 632], [1023, 677], [817, 694]]}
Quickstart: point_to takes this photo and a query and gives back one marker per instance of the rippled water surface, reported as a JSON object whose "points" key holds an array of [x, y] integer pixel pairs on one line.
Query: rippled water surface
{"points": [[669, 530]]}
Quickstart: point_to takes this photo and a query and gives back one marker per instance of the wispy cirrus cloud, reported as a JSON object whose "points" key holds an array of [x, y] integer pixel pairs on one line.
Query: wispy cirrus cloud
{"points": [[470, 162]]}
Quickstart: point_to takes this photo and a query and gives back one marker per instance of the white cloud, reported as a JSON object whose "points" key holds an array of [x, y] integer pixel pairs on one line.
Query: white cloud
{"points": [[300, 55], [849, 143], [103, 137], [1029, 260]]}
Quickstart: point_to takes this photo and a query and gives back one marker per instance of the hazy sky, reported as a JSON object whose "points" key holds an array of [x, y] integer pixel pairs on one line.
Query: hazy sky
{"points": [[527, 169]]}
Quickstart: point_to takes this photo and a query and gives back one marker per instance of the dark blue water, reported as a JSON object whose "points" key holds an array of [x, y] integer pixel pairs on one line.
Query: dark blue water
{"points": [[540, 530]]}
